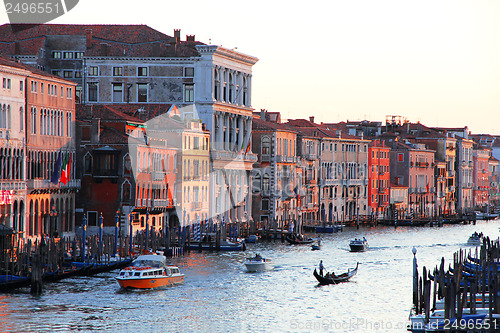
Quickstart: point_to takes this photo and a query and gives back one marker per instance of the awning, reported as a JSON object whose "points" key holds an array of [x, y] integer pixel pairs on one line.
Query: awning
{"points": [[5, 230]]}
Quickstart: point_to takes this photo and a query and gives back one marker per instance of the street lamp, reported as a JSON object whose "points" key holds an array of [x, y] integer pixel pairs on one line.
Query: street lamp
{"points": [[415, 276]]}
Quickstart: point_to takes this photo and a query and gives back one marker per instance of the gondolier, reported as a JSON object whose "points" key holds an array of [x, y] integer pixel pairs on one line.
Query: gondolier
{"points": [[321, 267]]}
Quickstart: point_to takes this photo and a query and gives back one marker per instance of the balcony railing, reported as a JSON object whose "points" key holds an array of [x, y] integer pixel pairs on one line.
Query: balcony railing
{"points": [[16, 185], [158, 175], [286, 159], [161, 203], [37, 184], [232, 155]]}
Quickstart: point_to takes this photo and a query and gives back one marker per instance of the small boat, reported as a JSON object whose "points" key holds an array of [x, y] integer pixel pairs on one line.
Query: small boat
{"points": [[475, 239], [298, 239], [258, 264], [316, 246], [485, 216], [212, 246], [328, 229], [334, 279], [251, 239], [358, 245], [149, 271]]}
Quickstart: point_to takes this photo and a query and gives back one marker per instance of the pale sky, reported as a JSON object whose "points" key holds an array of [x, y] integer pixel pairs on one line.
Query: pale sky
{"points": [[434, 61]]}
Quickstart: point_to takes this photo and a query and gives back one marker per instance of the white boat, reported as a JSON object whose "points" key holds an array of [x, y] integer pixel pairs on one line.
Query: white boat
{"points": [[149, 271], [485, 216], [475, 239], [258, 264], [358, 245]]}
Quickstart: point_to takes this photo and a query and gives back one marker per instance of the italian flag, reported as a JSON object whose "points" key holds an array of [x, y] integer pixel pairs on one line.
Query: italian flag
{"points": [[66, 169]]}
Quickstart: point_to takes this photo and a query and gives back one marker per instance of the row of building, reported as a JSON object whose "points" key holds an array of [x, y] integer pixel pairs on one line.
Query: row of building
{"points": [[337, 172], [126, 123]]}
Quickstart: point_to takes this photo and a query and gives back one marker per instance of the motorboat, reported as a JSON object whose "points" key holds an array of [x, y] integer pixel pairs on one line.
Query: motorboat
{"points": [[358, 245], [258, 264], [331, 278], [149, 271], [475, 239], [485, 216]]}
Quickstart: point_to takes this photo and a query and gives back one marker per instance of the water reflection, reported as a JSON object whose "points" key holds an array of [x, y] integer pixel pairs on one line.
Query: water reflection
{"points": [[218, 293]]}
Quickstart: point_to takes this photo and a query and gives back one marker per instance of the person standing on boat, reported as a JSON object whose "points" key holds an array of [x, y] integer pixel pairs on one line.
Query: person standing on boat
{"points": [[321, 267]]}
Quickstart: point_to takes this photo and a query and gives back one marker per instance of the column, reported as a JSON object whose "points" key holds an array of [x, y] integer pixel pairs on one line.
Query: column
{"points": [[226, 136], [240, 144], [219, 135]]}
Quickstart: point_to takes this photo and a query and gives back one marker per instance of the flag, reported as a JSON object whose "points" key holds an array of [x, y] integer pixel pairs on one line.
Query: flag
{"points": [[68, 172], [296, 190], [57, 170], [427, 187], [248, 147], [64, 169]]}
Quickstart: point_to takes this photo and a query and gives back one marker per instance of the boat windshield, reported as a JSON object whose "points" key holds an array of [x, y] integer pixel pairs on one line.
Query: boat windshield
{"points": [[145, 263]]}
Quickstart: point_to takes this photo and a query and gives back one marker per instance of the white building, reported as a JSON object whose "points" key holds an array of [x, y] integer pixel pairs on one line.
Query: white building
{"points": [[12, 144]]}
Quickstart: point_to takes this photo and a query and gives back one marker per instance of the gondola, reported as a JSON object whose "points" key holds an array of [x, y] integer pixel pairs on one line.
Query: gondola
{"points": [[296, 240], [344, 277]]}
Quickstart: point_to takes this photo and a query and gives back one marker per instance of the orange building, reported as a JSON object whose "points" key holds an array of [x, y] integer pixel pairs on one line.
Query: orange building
{"points": [[378, 178], [50, 148]]}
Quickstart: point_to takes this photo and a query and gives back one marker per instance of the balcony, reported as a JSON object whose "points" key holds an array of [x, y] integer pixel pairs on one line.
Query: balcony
{"points": [[38, 184], [160, 203], [286, 159], [422, 164], [15, 185], [197, 205], [310, 157], [232, 155], [158, 175]]}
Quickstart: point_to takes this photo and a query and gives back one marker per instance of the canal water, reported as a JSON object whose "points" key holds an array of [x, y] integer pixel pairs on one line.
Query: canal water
{"points": [[218, 295]]}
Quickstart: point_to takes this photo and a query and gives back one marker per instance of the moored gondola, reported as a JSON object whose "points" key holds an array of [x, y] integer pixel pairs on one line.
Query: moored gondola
{"points": [[334, 279]]}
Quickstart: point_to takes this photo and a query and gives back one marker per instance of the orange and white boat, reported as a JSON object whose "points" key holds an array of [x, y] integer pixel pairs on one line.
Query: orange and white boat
{"points": [[149, 271]]}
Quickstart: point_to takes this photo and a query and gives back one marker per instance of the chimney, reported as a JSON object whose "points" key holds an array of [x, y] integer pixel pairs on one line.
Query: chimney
{"points": [[105, 49], [189, 38], [311, 119], [95, 130], [396, 180], [89, 34], [263, 114], [177, 35]]}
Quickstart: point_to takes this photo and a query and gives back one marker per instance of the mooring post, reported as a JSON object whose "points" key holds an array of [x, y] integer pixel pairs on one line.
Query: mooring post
{"points": [[415, 277], [116, 233], [101, 220], [84, 237]]}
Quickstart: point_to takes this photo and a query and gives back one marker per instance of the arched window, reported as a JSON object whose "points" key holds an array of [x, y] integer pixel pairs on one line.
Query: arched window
{"points": [[265, 184], [87, 161], [231, 87], [266, 145], [126, 191], [127, 165], [21, 119], [216, 84], [256, 183]]}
